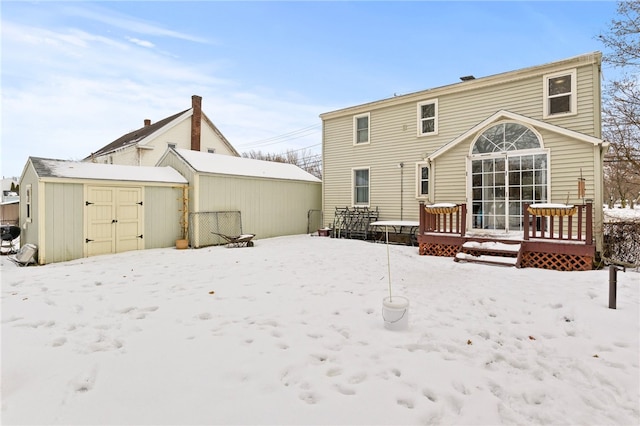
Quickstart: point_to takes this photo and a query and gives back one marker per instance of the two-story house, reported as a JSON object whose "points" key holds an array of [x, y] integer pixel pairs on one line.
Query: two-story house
{"points": [[188, 129], [491, 146]]}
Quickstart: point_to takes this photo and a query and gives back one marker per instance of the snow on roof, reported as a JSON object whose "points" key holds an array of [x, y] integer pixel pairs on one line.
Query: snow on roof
{"points": [[46, 167], [238, 166]]}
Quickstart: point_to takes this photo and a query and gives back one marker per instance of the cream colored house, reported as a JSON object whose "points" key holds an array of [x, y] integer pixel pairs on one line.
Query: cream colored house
{"points": [[494, 144], [188, 129]]}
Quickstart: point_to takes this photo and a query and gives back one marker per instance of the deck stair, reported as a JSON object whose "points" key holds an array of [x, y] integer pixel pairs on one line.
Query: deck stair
{"points": [[491, 252]]}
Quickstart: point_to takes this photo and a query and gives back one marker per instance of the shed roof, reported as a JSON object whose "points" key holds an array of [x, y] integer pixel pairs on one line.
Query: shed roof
{"points": [[52, 168], [238, 166]]}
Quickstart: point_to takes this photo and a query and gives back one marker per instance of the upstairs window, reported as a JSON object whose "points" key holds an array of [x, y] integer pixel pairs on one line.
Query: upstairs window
{"points": [[361, 129], [560, 94], [428, 117], [211, 150], [172, 145]]}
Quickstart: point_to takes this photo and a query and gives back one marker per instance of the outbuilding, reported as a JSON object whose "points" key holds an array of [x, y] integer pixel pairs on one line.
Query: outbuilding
{"points": [[71, 209], [274, 199]]}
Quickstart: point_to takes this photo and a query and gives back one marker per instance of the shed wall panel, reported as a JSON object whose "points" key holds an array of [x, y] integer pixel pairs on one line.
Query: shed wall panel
{"points": [[64, 222], [163, 209], [269, 207]]}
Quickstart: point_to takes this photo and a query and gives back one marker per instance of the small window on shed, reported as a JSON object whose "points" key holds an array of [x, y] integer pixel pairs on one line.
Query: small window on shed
{"points": [[28, 202], [171, 145]]}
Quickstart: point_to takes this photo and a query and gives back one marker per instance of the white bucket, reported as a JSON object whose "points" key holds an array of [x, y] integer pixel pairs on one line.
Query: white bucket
{"points": [[395, 312]]}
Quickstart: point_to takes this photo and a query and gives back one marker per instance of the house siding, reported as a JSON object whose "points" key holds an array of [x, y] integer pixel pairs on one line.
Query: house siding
{"points": [[394, 139]]}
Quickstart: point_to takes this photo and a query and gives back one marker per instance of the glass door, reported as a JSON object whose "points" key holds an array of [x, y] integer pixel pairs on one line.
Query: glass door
{"points": [[501, 184]]}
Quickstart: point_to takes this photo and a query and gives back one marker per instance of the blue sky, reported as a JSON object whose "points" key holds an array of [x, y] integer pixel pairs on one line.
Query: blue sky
{"points": [[77, 75]]}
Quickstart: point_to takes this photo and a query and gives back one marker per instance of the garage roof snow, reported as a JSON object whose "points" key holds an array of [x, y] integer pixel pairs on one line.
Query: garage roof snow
{"points": [[51, 168], [239, 166]]}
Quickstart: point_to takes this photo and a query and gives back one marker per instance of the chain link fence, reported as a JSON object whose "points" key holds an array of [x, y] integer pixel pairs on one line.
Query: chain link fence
{"points": [[622, 242], [203, 227]]}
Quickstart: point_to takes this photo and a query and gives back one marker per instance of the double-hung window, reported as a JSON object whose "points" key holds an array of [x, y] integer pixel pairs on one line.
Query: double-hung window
{"points": [[361, 187], [361, 134], [428, 117], [560, 93], [422, 174]]}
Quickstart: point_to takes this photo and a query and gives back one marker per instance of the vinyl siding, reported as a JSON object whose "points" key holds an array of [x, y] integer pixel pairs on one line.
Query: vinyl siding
{"points": [[394, 139]]}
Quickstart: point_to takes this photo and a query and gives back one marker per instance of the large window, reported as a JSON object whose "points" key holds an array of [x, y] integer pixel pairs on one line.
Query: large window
{"points": [[422, 174], [361, 129], [428, 117], [361, 187], [560, 93], [509, 168]]}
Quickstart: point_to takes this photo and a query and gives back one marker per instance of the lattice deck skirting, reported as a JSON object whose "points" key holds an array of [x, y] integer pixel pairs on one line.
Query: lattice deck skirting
{"points": [[558, 262], [436, 249]]}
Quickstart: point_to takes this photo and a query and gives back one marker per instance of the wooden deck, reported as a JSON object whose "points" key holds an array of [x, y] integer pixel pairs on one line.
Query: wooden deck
{"points": [[550, 242]]}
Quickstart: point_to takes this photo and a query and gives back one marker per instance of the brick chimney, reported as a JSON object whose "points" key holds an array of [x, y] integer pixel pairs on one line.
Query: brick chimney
{"points": [[196, 122], [147, 122]]}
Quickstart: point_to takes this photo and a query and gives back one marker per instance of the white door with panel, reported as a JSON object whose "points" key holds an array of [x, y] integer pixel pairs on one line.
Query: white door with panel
{"points": [[114, 220]]}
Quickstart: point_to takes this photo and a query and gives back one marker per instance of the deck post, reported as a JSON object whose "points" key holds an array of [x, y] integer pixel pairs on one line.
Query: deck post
{"points": [[463, 220], [422, 217], [589, 223], [525, 217]]}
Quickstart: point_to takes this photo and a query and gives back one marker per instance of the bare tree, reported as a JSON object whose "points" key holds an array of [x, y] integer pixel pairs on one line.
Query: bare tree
{"points": [[311, 163], [621, 112]]}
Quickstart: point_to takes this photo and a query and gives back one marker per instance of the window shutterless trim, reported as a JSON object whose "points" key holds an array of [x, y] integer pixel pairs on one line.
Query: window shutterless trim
{"points": [[355, 129], [419, 167], [419, 106], [353, 187], [573, 95]]}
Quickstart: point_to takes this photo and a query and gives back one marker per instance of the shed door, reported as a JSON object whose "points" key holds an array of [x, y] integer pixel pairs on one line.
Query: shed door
{"points": [[114, 220]]}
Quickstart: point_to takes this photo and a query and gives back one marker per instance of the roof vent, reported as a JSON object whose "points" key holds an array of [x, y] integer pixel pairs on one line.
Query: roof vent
{"points": [[467, 78]]}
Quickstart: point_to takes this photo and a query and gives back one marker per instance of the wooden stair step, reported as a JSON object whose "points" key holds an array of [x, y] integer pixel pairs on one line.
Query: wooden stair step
{"points": [[483, 258], [490, 252]]}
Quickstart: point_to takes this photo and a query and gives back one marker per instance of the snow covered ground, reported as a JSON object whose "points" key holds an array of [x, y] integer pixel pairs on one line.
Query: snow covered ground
{"points": [[617, 213], [290, 332]]}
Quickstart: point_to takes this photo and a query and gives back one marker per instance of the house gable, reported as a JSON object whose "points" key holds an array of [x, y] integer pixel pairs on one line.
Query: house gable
{"points": [[135, 147], [506, 115]]}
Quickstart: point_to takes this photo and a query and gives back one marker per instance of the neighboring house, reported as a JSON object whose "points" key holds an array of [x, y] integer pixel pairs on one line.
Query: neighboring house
{"points": [[9, 201], [490, 146], [71, 210], [189, 129], [274, 199]]}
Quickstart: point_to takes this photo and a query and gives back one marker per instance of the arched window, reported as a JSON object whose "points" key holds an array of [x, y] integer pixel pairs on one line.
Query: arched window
{"points": [[506, 137], [508, 169]]}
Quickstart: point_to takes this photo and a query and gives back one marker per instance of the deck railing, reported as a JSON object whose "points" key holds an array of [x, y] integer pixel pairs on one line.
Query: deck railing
{"points": [[443, 220], [452, 221], [575, 227]]}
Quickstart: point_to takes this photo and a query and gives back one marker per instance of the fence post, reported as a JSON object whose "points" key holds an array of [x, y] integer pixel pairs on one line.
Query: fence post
{"points": [[613, 285]]}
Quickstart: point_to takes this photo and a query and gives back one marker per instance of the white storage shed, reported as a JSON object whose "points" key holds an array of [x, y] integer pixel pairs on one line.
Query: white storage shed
{"points": [[71, 210]]}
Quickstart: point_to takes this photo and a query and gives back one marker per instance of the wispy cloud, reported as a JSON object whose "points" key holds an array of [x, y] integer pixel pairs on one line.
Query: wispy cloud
{"points": [[70, 89], [135, 25], [139, 42]]}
